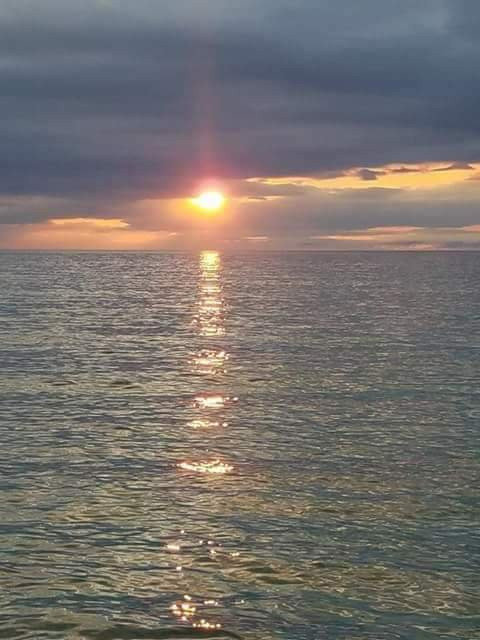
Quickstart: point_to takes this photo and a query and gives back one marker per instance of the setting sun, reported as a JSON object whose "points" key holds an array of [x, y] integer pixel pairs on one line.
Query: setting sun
{"points": [[210, 200]]}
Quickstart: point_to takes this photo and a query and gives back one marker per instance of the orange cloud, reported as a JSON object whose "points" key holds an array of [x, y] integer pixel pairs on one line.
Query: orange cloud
{"points": [[405, 177], [398, 229], [473, 228], [86, 234], [95, 224], [373, 234], [356, 237], [406, 238]]}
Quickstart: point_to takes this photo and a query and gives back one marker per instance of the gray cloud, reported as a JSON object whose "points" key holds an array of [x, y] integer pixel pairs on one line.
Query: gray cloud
{"points": [[368, 174], [456, 166], [107, 102]]}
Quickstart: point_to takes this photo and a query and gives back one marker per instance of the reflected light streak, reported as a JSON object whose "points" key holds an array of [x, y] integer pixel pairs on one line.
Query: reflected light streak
{"points": [[208, 314], [210, 362], [183, 609], [210, 304], [210, 289], [209, 321], [209, 259], [213, 331], [211, 402], [207, 357], [212, 466], [186, 611], [206, 424], [203, 624]]}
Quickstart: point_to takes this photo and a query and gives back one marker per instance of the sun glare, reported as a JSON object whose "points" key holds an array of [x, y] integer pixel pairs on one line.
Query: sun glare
{"points": [[210, 200]]}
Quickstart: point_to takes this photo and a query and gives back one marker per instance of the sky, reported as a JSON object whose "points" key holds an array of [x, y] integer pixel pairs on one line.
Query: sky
{"points": [[328, 125]]}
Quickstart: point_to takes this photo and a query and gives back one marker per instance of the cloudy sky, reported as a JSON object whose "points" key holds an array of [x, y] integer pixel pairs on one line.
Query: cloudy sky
{"points": [[329, 125]]}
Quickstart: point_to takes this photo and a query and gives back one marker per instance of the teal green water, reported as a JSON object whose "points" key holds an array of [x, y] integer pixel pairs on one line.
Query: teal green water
{"points": [[258, 446]]}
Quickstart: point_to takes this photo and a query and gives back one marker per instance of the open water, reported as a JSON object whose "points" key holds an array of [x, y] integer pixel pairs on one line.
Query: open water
{"points": [[259, 446]]}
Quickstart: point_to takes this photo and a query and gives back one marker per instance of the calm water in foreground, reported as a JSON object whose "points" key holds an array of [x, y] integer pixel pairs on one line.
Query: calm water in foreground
{"points": [[239, 446]]}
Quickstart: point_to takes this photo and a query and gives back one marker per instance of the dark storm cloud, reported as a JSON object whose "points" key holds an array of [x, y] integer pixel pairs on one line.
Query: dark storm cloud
{"points": [[109, 101]]}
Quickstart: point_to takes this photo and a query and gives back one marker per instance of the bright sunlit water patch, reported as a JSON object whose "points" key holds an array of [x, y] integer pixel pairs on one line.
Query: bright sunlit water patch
{"points": [[210, 261], [191, 612], [207, 466], [213, 401], [336, 499], [209, 289], [208, 626], [210, 361], [211, 313], [206, 424]]}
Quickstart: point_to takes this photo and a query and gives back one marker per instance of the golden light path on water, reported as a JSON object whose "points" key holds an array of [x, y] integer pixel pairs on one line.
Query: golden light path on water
{"points": [[214, 401], [210, 314], [351, 507], [211, 466], [210, 361], [206, 424]]}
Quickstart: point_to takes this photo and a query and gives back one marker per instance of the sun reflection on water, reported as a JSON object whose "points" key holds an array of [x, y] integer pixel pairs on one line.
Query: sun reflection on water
{"points": [[210, 289], [204, 624], [187, 611], [217, 401], [210, 361], [206, 424], [207, 466], [210, 405], [210, 315]]}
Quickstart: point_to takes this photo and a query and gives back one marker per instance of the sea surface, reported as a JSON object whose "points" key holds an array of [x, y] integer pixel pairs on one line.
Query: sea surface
{"points": [[259, 446]]}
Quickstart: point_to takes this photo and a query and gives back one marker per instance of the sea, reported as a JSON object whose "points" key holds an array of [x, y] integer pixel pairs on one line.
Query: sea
{"points": [[258, 446]]}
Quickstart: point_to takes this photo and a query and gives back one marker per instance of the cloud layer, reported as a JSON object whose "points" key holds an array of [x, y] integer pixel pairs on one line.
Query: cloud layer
{"points": [[114, 109]]}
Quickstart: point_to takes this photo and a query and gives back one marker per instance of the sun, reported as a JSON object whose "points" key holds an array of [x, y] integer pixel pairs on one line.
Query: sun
{"points": [[210, 200]]}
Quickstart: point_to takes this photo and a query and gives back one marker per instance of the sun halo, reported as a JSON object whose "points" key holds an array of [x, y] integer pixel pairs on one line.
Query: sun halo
{"points": [[210, 201]]}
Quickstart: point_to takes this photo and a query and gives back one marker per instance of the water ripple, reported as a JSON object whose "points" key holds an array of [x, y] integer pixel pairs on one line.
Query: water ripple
{"points": [[285, 445]]}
